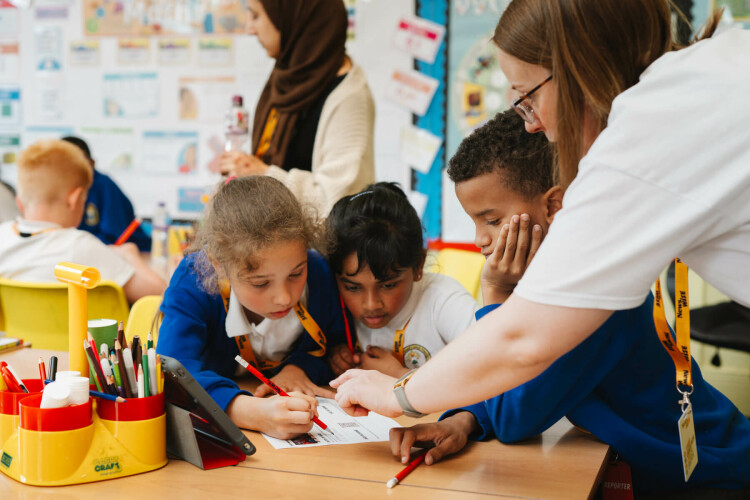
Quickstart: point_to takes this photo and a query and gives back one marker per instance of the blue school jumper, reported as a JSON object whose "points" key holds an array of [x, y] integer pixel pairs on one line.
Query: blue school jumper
{"points": [[193, 330], [108, 212], [619, 384]]}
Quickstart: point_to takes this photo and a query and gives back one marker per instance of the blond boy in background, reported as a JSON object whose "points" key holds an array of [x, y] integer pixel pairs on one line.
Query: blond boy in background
{"points": [[53, 180]]}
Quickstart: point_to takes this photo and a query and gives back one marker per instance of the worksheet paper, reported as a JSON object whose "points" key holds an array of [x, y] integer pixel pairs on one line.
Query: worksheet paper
{"points": [[342, 429]]}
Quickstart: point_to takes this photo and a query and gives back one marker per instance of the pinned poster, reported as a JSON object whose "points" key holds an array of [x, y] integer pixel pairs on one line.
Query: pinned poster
{"points": [[215, 52], [170, 152], [10, 106], [133, 51], [9, 19], [10, 61], [174, 51], [49, 95], [133, 95], [111, 147], [10, 146], [48, 48], [412, 90], [84, 53], [205, 98], [419, 148], [419, 37]]}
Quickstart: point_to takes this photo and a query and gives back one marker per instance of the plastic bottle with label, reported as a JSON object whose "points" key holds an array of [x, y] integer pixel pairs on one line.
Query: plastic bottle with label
{"points": [[236, 127], [160, 234]]}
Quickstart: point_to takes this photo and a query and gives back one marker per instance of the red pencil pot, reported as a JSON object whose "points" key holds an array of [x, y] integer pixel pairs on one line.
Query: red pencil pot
{"points": [[68, 418], [140, 425], [131, 410], [9, 407], [9, 400]]}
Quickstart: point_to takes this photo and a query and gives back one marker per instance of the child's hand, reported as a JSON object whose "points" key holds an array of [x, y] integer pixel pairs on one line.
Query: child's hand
{"points": [[375, 358], [278, 416], [342, 359], [448, 436], [293, 378], [516, 245]]}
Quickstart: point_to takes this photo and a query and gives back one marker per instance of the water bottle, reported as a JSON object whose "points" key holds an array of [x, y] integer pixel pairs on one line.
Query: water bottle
{"points": [[236, 127], [160, 234]]}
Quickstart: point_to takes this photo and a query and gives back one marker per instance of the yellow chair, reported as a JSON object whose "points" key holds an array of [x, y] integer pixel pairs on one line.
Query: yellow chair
{"points": [[144, 317], [462, 265], [38, 312]]}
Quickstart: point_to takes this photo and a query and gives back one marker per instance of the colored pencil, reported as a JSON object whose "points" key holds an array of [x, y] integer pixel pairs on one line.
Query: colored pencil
{"points": [[92, 343], [405, 472], [151, 357], [128, 232], [146, 379], [130, 371], [9, 380], [278, 390], [123, 370], [108, 397], [96, 366], [141, 385], [121, 335], [150, 340]]}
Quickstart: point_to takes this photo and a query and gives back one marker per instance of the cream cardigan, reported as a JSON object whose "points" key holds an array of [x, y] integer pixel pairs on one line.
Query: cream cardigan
{"points": [[343, 160]]}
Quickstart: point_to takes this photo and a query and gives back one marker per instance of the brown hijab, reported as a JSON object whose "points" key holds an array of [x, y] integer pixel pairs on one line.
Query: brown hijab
{"points": [[313, 34]]}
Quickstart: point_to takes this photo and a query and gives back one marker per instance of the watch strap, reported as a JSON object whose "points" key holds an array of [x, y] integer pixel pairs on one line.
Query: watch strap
{"points": [[398, 390]]}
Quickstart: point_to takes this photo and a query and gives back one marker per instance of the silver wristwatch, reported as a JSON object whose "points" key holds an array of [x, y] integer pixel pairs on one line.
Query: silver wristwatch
{"points": [[398, 390]]}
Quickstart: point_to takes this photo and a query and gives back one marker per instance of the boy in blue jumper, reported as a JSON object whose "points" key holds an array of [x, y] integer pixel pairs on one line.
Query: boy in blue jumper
{"points": [[619, 384], [251, 287], [108, 211]]}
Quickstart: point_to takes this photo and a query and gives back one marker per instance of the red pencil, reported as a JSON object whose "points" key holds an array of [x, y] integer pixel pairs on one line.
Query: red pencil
{"points": [[128, 231], [278, 390], [42, 370], [405, 472]]}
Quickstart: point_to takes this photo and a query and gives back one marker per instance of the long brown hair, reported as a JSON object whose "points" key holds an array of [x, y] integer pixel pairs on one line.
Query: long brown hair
{"points": [[595, 49], [245, 216]]}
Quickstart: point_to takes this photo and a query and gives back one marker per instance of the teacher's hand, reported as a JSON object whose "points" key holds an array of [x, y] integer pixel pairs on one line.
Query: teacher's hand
{"points": [[236, 164], [360, 391]]}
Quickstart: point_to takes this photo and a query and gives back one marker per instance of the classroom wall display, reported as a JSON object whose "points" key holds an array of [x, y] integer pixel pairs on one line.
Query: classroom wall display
{"points": [[162, 17], [477, 90], [155, 124]]}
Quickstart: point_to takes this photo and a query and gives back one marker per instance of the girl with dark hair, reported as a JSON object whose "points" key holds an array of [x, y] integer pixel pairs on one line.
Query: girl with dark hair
{"points": [[402, 316], [313, 126], [251, 286]]}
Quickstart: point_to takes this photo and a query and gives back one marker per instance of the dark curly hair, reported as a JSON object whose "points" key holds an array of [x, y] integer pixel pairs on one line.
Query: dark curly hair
{"points": [[381, 226], [502, 143]]}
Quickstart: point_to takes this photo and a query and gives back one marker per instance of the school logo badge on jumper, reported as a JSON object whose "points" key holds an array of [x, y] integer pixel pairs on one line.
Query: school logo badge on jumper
{"points": [[415, 356], [92, 215]]}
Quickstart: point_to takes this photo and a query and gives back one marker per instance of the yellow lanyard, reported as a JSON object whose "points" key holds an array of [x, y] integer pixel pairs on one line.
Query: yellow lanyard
{"points": [[243, 341], [268, 130], [679, 351], [398, 343]]}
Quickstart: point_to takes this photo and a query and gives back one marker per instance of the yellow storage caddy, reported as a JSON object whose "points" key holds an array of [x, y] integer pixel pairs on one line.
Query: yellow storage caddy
{"points": [[82, 443]]}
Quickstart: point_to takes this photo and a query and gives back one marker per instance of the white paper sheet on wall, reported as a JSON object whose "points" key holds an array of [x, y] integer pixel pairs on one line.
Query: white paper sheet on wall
{"points": [[419, 148], [419, 37], [130, 95], [412, 90]]}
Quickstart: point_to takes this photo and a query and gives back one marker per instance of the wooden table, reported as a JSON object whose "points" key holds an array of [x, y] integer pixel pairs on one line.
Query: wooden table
{"points": [[561, 463]]}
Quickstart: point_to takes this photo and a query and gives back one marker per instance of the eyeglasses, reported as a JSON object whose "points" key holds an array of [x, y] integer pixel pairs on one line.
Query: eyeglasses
{"points": [[523, 109]]}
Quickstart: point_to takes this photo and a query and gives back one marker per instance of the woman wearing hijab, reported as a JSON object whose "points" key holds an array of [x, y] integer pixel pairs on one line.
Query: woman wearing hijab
{"points": [[313, 126]]}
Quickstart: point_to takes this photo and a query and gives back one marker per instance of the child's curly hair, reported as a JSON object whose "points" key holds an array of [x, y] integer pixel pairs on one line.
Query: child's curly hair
{"points": [[245, 216], [525, 160]]}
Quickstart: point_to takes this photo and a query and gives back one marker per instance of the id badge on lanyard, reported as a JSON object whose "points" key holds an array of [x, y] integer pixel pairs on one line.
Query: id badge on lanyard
{"points": [[679, 350]]}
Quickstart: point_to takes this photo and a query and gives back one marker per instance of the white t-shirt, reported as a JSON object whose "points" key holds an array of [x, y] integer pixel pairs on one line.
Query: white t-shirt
{"points": [[271, 339], [33, 258], [439, 309], [8, 208], [669, 177]]}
